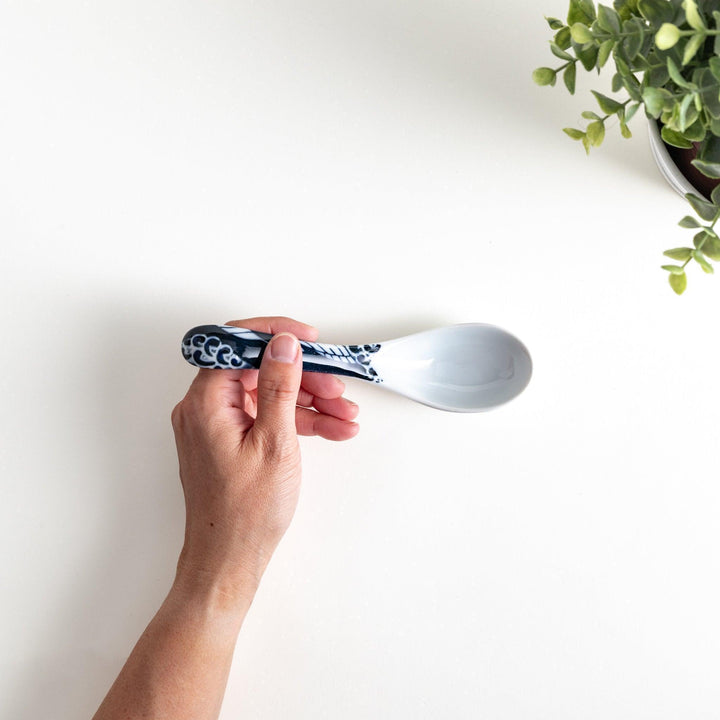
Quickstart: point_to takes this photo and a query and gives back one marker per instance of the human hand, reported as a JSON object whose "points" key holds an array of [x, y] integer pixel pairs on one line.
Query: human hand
{"points": [[236, 434]]}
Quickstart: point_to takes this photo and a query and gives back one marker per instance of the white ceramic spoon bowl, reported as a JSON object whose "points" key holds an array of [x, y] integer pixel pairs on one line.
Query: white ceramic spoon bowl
{"points": [[460, 368]]}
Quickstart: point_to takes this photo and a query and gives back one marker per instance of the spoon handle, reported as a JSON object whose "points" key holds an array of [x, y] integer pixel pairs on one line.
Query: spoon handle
{"points": [[226, 347]]}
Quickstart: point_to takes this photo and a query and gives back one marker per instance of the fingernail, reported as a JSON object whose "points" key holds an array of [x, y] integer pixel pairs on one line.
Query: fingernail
{"points": [[283, 348]]}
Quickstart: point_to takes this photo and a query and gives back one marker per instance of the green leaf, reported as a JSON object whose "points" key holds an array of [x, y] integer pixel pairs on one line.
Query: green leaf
{"points": [[590, 115], [630, 111], [689, 222], [622, 67], [710, 92], [674, 138], [641, 64], [705, 210], [632, 44], [596, 133], [676, 76], [608, 20], [702, 262], [711, 248], [544, 76], [574, 133], [586, 54], [674, 269], [607, 105], [563, 39], [588, 7], [656, 12], [680, 254], [714, 65], [625, 8], [692, 15], [657, 76], [667, 36], [671, 117], [617, 82], [633, 87], [569, 78], [701, 238], [581, 11], [580, 33], [685, 118], [634, 39], [710, 149], [715, 195], [697, 101], [557, 51], [707, 242], [709, 169], [625, 130], [586, 143], [604, 52], [711, 100], [554, 23], [695, 132], [678, 282], [694, 44], [654, 99]]}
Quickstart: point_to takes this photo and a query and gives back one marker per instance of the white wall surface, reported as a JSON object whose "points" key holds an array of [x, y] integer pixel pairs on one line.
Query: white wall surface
{"points": [[373, 168]]}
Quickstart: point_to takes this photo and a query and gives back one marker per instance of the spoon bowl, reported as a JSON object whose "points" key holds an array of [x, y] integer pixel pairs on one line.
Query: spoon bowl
{"points": [[459, 368]]}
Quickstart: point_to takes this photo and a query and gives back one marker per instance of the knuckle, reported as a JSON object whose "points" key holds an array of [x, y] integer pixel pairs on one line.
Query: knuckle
{"points": [[176, 416], [276, 390], [188, 412]]}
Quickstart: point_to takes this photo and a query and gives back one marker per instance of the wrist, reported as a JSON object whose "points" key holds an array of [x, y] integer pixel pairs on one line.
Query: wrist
{"points": [[227, 587]]}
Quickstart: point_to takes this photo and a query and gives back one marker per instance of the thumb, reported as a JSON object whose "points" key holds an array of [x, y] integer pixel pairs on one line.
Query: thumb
{"points": [[278, 385]]}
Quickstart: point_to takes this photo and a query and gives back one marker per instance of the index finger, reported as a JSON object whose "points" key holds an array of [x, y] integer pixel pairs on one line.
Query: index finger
{"points": [[278, 324]]}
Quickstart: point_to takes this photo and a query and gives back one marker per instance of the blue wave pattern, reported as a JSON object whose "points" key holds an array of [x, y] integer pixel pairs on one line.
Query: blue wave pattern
{"points": [[208, 349], [227, 348]]}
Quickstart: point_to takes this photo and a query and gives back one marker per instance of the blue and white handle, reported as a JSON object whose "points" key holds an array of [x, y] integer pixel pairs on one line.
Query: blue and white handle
{"points": [[226, 347]]}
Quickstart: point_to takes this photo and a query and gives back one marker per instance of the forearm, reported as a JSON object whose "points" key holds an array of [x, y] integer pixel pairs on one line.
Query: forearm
{"points": [[180, 665]]}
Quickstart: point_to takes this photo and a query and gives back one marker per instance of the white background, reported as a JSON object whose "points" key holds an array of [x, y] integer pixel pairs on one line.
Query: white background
{"points": [[374, 168]]}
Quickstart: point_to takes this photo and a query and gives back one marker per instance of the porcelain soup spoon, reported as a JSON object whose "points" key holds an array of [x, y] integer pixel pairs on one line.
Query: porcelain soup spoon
{"points": [[460, 368]]}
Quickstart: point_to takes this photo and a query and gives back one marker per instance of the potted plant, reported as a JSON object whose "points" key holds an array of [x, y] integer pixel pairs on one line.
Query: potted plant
{"points": [[666, 60]]}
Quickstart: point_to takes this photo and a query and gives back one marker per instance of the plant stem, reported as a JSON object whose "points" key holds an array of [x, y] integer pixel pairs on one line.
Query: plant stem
{"points": [[702, 242]]}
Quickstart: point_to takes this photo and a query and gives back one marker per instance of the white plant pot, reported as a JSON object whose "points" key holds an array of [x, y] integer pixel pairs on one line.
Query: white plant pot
{"points": [[668, 168]]}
